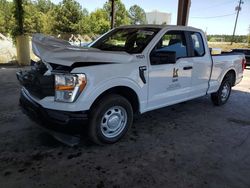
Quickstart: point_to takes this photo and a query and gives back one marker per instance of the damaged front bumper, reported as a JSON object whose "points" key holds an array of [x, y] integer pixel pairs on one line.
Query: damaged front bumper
{"points": [[59, 121]]}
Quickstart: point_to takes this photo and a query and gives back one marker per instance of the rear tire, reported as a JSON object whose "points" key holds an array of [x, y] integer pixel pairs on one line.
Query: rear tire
{"points": [[110, 119], [222, 95]]}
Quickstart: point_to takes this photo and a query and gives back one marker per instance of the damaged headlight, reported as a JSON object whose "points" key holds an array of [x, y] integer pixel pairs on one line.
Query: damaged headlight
{"points": [[69, 86]]}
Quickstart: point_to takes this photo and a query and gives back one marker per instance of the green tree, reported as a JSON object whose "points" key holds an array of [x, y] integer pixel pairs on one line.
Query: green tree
{"points": [[18, 12], [2, 24], [121, 14], [137, 15], [6, 17], [32, 18], [48, 22], [44, 6], [84, 24], [67, 16], [99, 21], [227, 38], [45, 10]]}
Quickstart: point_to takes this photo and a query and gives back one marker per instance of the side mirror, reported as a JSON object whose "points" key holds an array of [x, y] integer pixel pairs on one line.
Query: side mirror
{"points": [[162, 57]]}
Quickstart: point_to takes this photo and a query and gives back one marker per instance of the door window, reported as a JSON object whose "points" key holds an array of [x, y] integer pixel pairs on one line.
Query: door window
{"points": [[174, 42]]}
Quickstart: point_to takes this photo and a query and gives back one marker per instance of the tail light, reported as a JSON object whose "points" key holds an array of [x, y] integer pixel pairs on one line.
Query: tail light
{"points": [[244, 64]]}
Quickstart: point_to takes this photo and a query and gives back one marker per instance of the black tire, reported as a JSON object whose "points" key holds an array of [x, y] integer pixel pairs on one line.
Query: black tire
{"points": [[116, 108], [219, 98]]}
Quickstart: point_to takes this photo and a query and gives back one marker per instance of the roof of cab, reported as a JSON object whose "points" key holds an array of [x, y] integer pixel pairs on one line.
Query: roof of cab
{"points": [[175, 27]]}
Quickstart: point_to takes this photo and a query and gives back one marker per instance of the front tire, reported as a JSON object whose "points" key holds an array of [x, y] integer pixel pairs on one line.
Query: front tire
{"points": [[110, 119], [222, 95]]}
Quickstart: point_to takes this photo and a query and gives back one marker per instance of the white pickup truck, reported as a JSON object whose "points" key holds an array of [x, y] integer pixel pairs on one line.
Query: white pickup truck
{"points": [[128, 70]]}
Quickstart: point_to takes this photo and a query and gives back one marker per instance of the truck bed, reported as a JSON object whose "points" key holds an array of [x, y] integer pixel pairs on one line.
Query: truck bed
{"points": [[222, 63]]}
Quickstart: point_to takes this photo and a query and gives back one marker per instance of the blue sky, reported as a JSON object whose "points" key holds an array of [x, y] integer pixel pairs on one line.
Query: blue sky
{"points": [[202, 13]]}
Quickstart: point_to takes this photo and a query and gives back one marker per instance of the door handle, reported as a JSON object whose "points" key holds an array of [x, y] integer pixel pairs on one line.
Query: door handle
{"points": [[187, 68]]}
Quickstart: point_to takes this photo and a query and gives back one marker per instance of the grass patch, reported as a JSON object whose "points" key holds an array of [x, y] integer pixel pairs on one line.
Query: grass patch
{"points": [[226, 46]]}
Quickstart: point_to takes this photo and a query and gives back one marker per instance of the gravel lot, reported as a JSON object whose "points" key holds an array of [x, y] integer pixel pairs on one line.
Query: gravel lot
{"points": [[193, 144]]}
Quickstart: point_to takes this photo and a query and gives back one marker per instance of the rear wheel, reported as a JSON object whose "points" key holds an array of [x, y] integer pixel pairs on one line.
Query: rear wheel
{"points": [[222, 95], [110, 119]]}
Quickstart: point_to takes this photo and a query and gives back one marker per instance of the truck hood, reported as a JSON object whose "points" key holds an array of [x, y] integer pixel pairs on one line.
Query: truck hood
{"points": [[56, 51]]}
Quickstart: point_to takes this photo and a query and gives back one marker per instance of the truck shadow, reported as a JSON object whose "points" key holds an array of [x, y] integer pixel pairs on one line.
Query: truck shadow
{"points": [[166, 119]]}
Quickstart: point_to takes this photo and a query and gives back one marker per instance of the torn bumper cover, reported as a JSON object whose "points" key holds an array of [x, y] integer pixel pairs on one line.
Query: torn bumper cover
{"points": [[36, 82], [59, 121]]}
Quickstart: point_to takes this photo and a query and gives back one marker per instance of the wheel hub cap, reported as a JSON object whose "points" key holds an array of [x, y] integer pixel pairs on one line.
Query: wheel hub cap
{"points": [[113, 121], [225, 92]]}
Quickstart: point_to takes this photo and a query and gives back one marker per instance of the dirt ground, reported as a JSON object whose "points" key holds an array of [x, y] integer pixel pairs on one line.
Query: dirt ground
{"points": [[193, 144]]}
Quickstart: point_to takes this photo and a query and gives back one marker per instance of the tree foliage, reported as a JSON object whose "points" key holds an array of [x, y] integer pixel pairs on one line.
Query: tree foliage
{"points": [[121, 14], [84, 24], [43, 16], [99, 22], [18, 12], [2, 18], [67, 15], [226, 38], [137, 15], [33, 22], [44, 6], [6, 16]]}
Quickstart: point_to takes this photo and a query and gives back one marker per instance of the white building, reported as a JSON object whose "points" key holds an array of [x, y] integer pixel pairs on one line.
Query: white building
{"points": [[156, 17]]}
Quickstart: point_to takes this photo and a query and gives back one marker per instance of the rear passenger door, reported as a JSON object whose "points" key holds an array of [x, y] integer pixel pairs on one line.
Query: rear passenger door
{"points": [[202, 64]]}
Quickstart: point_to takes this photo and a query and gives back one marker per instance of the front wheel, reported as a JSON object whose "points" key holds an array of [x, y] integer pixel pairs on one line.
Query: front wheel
{"points": [[110, 119], [222, 95]]}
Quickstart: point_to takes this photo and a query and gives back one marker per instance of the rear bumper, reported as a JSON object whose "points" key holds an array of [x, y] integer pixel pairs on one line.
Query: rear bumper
{"points": [[59, 121]]}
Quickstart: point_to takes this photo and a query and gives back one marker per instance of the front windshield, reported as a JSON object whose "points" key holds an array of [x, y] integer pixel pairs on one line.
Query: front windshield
{"points": [[131, 40]]}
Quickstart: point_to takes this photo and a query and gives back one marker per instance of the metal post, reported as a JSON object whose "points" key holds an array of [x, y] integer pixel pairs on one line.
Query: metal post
{"points": [[112, 14], [238, 8], [183, 12]]}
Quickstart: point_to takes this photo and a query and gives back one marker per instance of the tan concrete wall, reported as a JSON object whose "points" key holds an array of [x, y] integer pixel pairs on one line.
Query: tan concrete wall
{"points": [[23, 50]]}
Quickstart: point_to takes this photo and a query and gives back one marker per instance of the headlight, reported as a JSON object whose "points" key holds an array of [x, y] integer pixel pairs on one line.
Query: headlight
{"points": [[69, 86]]}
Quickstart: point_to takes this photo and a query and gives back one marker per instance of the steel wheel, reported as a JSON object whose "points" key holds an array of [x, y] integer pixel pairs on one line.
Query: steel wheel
{"points": [[113, 121], [225, 92], [221, 96], [110, 119]]}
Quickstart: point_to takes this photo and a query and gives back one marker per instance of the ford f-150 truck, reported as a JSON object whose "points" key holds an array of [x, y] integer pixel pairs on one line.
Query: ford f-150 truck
{"points": [[128, 70]]}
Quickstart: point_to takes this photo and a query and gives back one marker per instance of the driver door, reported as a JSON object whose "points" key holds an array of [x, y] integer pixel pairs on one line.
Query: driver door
{"points": [[169, 82]]}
